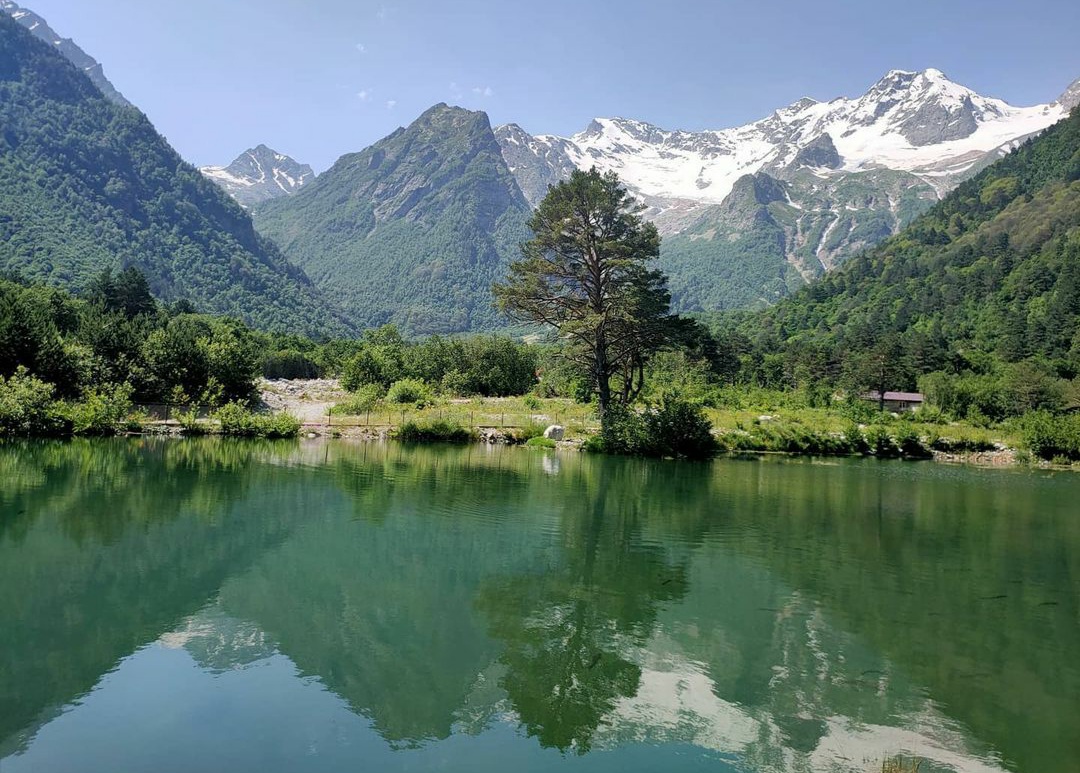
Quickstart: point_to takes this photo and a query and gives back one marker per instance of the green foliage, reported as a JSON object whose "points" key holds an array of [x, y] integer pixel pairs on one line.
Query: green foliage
{"points": [[674, 429], [434, 431], [237, 421], [290, 364], [363, 400], [412, 230], [1049, 437], [27, 407], [102, 411], [528, 432], [410, 390], [482, 365], [978, 301], [87, 185], [611, 327], [541, 442]]}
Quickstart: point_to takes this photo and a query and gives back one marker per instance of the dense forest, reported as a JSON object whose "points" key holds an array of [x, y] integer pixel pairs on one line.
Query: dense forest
{"points": [[977, 302], [86, 184]]}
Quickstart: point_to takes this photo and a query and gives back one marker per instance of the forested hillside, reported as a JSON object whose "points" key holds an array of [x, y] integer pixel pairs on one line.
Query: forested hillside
{"points": [[982, 291], [86, 184], [413, 230]]}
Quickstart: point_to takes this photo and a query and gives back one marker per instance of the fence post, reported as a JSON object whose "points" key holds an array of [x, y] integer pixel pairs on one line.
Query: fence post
{"points": [[166, 413], [402, 415]]}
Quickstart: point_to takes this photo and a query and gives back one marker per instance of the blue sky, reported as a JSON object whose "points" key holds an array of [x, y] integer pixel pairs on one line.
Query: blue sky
{"points": [[319, 78]]}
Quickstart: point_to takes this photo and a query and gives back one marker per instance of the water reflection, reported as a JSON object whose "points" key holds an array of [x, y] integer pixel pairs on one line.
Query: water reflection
{"points": [[777, 616]]}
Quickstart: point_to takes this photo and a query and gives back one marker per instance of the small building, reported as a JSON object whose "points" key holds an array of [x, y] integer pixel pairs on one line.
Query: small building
{"points": [[897, 402]]}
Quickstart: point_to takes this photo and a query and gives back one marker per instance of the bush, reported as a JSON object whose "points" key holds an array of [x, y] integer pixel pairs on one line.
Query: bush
{"points": [[410, 390], [528, 432], [907, 440], [1048, 436], [532, 402], [436, 431], [27, 408], [880, 442], [190, 424], [237, 421], [364, 400], [541, 442], [675, 429], [679, 429], [101, 411]]}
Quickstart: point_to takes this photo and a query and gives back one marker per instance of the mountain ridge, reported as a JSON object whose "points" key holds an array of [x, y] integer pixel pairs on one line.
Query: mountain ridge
{"points": [[66, 46], [411, 230], [88, 185]]}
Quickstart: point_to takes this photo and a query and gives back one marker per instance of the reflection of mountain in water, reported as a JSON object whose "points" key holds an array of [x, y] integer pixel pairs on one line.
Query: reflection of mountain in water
{"points": [[792, 616]]}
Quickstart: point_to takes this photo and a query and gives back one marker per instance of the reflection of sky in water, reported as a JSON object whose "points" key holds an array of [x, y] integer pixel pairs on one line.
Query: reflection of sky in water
{"points": [[217, 690], [481, 609]]}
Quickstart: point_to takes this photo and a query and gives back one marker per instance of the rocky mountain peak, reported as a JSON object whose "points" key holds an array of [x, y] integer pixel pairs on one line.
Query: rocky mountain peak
{"points": [[259, 174], [1071, 97]]}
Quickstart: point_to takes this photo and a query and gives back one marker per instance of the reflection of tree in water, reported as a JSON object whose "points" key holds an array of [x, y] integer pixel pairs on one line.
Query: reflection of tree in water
{"points": [[567, 627]]}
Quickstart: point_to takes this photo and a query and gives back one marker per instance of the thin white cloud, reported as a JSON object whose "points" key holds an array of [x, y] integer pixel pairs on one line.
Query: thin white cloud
{"points": [[483, 91], [455, 91], [361, 48], [391, 104], [381, 13], [365, 94]]}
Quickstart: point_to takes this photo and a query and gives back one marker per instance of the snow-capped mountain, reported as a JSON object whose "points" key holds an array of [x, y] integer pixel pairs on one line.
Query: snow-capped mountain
{"points": [[917, 122], [751, 213], [65, 46], [260, 173]]}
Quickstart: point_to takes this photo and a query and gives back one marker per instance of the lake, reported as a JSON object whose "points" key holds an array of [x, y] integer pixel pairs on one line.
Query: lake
{"points": [[206, 605]]}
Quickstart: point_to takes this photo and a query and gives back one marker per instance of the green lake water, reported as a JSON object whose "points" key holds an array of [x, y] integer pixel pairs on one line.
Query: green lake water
{"points": [[205, 605]]}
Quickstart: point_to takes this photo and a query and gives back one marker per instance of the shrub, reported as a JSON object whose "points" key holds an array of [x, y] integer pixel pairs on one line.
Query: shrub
{"points": [[278, 425], [856, 440], [532, 402], [365, 399], [27, 407], [675, 428], [410, 390], [541, 442], [907, 440], [237, 421], [102, 411], [435, 431], [190, 424], [455, 383], [1048, 436], [528, 432], [880, 442], [679, 429]]}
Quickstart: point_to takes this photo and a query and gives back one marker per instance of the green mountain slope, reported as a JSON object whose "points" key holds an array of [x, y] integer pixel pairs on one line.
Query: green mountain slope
{"points": [[777, 231], [989, 275], [86, 184], [413, 230]]}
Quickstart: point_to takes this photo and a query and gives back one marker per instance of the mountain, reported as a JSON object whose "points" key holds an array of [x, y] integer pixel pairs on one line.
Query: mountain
{"points": [[87, 184], [413, 230], [851, 172], [986, 282], [65, 46], [259, 174]]}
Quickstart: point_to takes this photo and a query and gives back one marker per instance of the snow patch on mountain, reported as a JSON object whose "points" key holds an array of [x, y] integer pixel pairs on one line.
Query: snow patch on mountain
{"points": [[260, 173], [916, 122]]}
